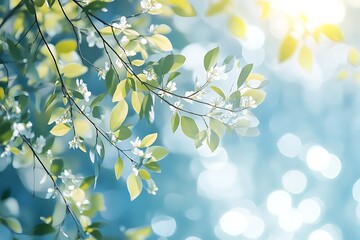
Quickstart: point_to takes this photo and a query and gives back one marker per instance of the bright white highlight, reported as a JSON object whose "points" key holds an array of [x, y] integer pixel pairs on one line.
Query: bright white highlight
{"points": [[294, 181], [255, 38], [163, 225], [289, 145], [279, 202], [320, 234], [317, 158], [254, 228], [310, 210], [333, 169], [291, 220], [356, 190], [234, 222]]}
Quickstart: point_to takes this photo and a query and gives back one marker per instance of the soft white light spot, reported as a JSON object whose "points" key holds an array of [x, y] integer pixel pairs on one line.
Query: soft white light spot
{"points": [[291, 220], [255, 227], [255, 38], [320, 234], [217, 160], [310, 210], [256, 57], [194, 54], [353, 3], [333, 169], [234, 222], [294, 181], [356, 190], [163, 225], [278, 202], [192, 238], [9, 207], [317, 158], [289, 145], [193, 213]]}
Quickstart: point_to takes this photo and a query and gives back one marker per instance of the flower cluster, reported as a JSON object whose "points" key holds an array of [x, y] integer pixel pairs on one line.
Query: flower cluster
{"points": [[147, 5], [216, 73], [94, 40], [75, 143], [121, 24], [169, 88], [82, 88]]}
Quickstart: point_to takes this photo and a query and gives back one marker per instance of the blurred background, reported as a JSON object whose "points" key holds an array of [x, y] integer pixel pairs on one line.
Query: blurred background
{"points": [[299, 179]]}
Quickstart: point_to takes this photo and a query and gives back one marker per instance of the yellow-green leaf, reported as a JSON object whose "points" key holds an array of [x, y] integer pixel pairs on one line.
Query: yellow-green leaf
{"points": [[108, 30], [182, 8], [119, 166], [144, 174], [287, 48], [118, 115], [148, 140], [2, 93], [138, 233], [237, 26], [138, 62], [332, 31], [175, 120], [136, 100], [60, 129], [121, 91], [134, 186], [305, 58], [66, 46], [73, 70], [189, 127], [217, 7], [353, 56], [161, 42]]}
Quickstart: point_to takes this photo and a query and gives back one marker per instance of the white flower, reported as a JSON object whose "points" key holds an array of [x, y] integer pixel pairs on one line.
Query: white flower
{"points": [[138, 152], [50, 193], [136, 143], [93, 40], [39, 144], [150, 74], [24, 129], [170, 87], [143, 40], [135, 171], [152, 188], [122, 24], [6, 152], [152, 28], [192, 95], [49, 154], [82, 88], [216, 73], [150, 4], [248, 102], [102, 72], [176, 107], [75, 143]]}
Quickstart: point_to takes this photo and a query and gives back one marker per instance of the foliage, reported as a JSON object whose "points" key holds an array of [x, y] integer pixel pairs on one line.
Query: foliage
{"points": [[46, 70]]}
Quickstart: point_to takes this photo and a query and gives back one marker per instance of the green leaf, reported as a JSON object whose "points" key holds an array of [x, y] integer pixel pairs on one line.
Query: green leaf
{"points": [[118, 115], [213, 141], [148, 140], [98, 112], [43, 229], [244, 74], [189, 127], [49, 101], [210, 58], [97, 100], [175, 120], [121, 91], [237, 26], [123, 133], [134, 186], [110, 81], [157, 152], [100, 148], [235, 99], [257, 94], [57, 166], [305, 58], [146, 106], [178, 61], [167, 63], [60, 129], [136, 101], [332, 31], [218, 127], [87, 182], [172, 76], [153, 166], [73, 70], [287, 48], [66, 46], [118, 168], [217, 7], [50, 2], [200, 139], [144, 174], [94, 6], [218, 91]]}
